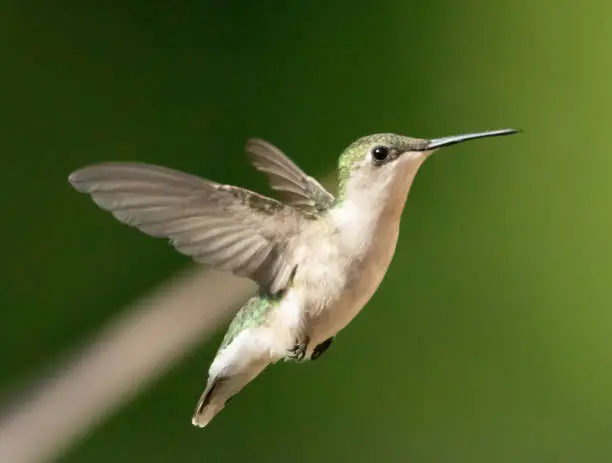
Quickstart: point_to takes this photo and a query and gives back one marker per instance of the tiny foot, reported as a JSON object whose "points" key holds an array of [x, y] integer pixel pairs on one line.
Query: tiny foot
{"points": [[298, 351]]}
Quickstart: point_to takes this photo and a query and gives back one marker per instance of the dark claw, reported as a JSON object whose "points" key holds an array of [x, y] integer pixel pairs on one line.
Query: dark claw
{"points": [[321, 348], [299, 350]]}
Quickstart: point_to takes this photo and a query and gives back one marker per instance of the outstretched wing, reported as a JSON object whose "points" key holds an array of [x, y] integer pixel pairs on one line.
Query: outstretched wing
{"points": [[224, 226], [299, 190]]}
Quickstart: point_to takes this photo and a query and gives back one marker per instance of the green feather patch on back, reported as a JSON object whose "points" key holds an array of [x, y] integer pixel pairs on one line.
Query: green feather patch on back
{"points": [[250, 315]]}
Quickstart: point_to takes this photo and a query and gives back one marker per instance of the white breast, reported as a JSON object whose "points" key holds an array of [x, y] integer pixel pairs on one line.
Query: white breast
{"points": [[362, 263], [349, 265]]}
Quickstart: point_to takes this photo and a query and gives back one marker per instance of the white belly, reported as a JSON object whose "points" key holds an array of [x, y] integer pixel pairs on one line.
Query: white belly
{"points": [[362, 274]]}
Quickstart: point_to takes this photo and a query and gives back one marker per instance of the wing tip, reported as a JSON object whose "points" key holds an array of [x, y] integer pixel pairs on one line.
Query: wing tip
{"points": [[254, 141], [83, 175], [77, 181]]}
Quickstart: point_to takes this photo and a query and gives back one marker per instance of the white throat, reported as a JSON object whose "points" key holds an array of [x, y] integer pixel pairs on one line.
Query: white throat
{"points": [[374, 201]]}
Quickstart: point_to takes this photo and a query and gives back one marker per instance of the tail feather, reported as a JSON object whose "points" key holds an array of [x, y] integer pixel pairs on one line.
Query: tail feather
{"points": [[211, 402], [219, 392]]}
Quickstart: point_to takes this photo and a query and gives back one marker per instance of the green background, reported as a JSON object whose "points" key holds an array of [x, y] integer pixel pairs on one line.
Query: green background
{"points": [[490, 340]]}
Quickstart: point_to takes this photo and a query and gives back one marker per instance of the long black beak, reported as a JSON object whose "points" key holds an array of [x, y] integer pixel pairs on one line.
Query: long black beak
{"points": [[454, 139]]}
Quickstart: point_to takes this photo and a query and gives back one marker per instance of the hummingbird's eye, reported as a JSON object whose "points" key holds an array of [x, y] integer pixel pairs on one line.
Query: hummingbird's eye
{"points": [[380, 153]]}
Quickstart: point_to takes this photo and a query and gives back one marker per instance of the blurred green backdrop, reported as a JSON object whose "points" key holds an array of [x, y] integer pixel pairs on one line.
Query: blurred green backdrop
{"points": [[490, 339]]}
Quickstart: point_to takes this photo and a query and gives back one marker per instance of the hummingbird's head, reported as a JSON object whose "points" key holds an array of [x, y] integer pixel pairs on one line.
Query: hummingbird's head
{"points": [[375, 160]]}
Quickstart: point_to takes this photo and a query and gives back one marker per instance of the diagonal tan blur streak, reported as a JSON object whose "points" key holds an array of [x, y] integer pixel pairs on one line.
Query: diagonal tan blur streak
{"points": [[124, 358]]}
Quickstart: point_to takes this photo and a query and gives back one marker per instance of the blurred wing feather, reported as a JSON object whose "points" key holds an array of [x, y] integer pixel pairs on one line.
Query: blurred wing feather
{"points": [[224, 226]]}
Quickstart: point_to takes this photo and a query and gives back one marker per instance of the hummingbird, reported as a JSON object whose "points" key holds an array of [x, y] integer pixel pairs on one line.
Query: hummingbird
{"points": [[317, 258]]}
